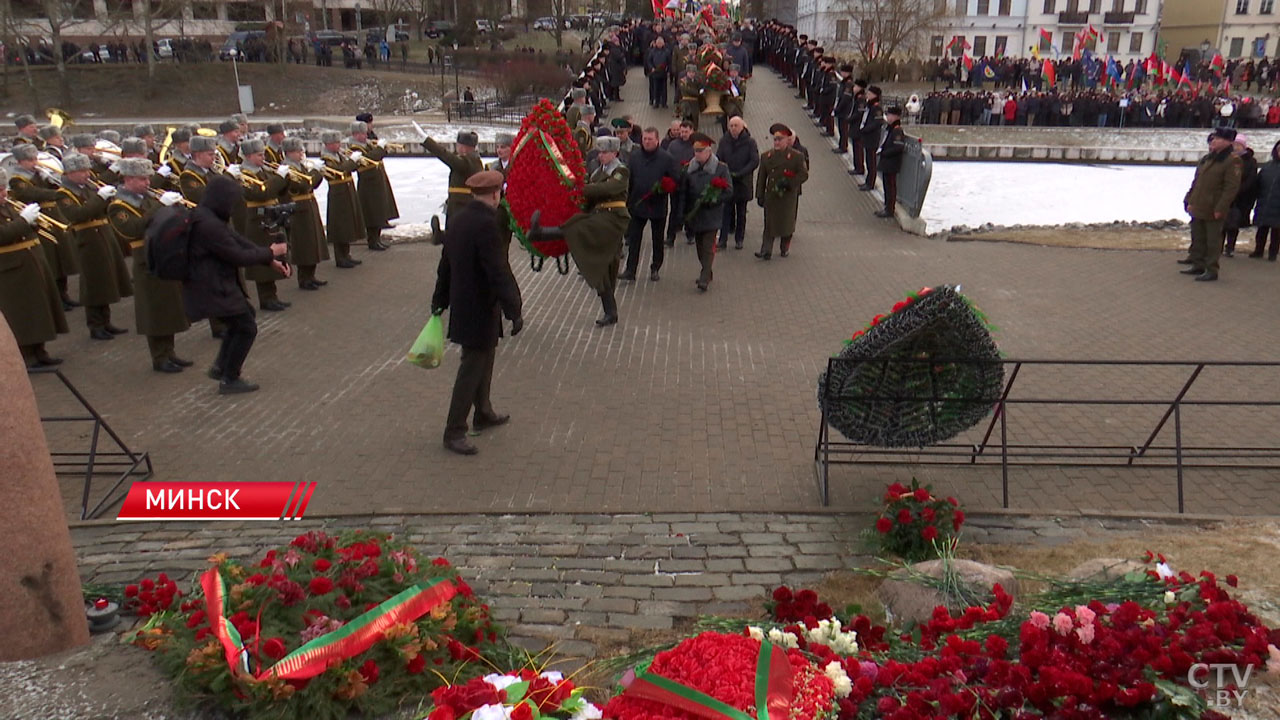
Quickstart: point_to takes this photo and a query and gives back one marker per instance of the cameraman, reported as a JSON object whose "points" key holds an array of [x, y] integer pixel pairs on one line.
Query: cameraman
{"points": [[213, 288]]}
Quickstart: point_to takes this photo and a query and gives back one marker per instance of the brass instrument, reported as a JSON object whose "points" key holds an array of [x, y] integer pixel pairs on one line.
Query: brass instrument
{"points": [[164, 148], [156, 193], [331, 174], [395, 147], [45, 225], [250, 181], [60, 119], [365, 163], [294, 173], [108, 149]]}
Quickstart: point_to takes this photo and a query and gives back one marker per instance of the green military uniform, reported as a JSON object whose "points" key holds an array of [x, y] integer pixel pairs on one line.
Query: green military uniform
{"points": [[778, 182], [263, 194], [272, 154], [582, 136], [595, 236], [690, 100], [192, 181], [573, 115], [27, 187], [503, 215], [28, 294], [230, 153], [377, 199], [21, 139], [344, 222], [307, 244], [1217, 180], [734, 104], [104, 278], [103, 173], [157, 304], [460, 169]]}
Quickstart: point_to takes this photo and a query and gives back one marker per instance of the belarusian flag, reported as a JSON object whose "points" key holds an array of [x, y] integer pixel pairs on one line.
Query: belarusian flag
{"points": [[1172, 73], [1046, 37], [968, 62], [1218, 64], [1050, 74]]}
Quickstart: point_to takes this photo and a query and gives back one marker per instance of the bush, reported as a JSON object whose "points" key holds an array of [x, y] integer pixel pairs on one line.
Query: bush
{"points": [[524, 76]]}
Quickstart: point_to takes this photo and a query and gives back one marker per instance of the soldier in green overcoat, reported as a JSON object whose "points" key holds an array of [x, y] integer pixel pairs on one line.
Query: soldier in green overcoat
{"points": [[595, 235], [377, 199], [31, 184], [344, 223], [782, 171], [104, 278], [573, 113], [157, 304], [262, 189], [307, 245], [463, 162], [502, 144], [690, 105], [28, 295]]}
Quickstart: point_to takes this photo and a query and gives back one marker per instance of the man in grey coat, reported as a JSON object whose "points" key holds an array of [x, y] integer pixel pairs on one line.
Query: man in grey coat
{"points": [[707, 186]]}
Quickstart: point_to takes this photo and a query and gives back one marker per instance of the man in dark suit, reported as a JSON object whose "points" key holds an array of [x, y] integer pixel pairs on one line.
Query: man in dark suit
{"points": [[475, 282]]}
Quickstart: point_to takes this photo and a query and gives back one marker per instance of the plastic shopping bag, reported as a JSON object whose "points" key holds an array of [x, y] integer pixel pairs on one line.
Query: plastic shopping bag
{"points": [[428, 350]]}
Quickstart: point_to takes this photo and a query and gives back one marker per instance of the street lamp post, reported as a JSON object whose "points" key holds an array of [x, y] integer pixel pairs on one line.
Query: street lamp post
{"points": [[359, 22]]}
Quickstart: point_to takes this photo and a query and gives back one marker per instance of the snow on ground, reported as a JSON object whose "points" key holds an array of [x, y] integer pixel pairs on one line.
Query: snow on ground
{"points": [[397, 131], [421, 186], [1146, 139], [975, 193]]}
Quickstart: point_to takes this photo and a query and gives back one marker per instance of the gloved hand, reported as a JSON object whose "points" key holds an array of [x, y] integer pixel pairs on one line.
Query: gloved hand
{"points": [[356, 155], [164, 171], [30, 213], [106, 192], [48, 176], [170, 198], [282, 170], [233, 170], [115, 167], [516, 326], [313, 163], [437, 310]]}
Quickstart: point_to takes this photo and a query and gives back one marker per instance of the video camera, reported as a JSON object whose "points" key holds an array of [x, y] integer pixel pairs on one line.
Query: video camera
{"points": [[276, 217]]}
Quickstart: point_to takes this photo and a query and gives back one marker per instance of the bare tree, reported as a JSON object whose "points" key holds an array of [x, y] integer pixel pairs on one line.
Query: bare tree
{"points": [[559, 13], [882, 30], [62, 15]]}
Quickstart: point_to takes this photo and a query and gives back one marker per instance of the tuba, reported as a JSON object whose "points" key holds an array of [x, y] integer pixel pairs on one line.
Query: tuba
{"points": [[60, 119]]}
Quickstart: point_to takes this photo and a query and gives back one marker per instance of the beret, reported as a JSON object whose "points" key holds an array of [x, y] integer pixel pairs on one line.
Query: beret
{"points": [[365, 117]]}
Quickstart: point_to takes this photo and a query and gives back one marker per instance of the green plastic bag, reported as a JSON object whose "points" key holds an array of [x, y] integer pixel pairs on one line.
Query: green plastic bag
{"points": [[428, 349]]}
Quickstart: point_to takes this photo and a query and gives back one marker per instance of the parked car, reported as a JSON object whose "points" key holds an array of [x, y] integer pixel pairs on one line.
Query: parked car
{"points": [[437, 28], [238, 38], [483, 26], [544, 23], [164, 48]]}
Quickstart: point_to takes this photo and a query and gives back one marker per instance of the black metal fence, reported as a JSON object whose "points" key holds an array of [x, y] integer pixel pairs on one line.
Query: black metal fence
{"points": [[1146, 402]]}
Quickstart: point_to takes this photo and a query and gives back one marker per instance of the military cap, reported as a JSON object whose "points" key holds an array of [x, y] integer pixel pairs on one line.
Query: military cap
{"points": [[588, 110], [110, 136], [690, 67], [252, 147], [24, 120], [143, 130], [181, 135], [846, 68], [358, 127], [227, 126], [72, 162], [24, 152], [49, 131], [133, 146], [485, 182], [875, 90], [608, 144], [365, 117], [734, 67], [779, 129], [578, 93], [619, 123], [291, 144], [893, 110], [200, 143], [136, 167], [468, 138], [330, 136], [80, 140], [275, 129], [701, 141], [239, 119], [860, 82], [1225, 133], [603, 131], [504, 139]]}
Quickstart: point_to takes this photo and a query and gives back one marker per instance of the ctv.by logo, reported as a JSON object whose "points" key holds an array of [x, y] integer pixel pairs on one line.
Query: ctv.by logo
{"points": [[1222, 694]]}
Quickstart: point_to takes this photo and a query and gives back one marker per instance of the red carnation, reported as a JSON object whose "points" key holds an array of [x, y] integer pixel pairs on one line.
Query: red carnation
{"points": [[522, 712], [130, 591], [719, 183], [957, 520], [369, 671], [929, 532], [274, 648], [922, 495], [416, 665], [320, 565], [782, 594], [668, 184], [884, 525], [904, 516], [320, 585]]}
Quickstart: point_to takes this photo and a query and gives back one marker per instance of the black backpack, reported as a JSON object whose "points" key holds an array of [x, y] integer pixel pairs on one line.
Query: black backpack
{"points": [[169, 243]]}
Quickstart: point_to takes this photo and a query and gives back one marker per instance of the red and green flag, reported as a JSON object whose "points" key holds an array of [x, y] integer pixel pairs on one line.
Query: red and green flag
{"points": [[1050, 73]]}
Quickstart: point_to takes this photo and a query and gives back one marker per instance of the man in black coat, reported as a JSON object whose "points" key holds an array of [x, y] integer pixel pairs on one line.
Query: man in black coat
{"points": [[657, 65], [475, 282], [870, 124], [650, 167], [213, 288], [739, 152], [895, 144]]}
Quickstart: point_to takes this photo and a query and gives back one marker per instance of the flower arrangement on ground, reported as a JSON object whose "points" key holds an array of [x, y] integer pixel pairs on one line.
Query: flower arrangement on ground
{"points": [[325, 626], [914, 523], [521, 695]]}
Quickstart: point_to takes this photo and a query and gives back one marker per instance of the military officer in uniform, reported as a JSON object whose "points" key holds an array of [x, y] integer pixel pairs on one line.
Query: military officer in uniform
{"points": [[104, 279], [463, 163], [28, 295], [157, 304], [782, 171], [307, 245], [31, 184], [377, 199], [582, 133], [705, 201], [179, 156], [262, 189], [344, 223], [198, 169], [54, 144], [502, 144], [690, 106], [595, 235], [895, 144], [147, 134], [229, 142], [28, 132], [274, 152], [578, 99]]}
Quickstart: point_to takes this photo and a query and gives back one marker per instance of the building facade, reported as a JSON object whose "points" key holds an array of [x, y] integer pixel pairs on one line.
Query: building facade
{"points": [[1127, 29], [784, 11], [1235, 28]]}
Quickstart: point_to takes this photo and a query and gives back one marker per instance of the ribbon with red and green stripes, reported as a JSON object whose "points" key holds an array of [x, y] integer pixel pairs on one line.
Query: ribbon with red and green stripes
{"points": [[553, 154], [773, 691], [347, 641]]}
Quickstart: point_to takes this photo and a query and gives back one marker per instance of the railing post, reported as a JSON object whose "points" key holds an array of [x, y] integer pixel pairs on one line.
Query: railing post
{"points": [[1172, 406], [1004, 454], [1177, 433]]}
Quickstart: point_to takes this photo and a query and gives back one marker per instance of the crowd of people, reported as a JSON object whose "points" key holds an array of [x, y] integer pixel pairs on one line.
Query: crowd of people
{"points": [[1093, 108]]}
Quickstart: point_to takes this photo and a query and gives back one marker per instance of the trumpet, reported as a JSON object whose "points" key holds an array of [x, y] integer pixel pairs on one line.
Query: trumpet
{"points": [[330, 173], [396, 147], [156, 193], [295, 174], [45, 225]]}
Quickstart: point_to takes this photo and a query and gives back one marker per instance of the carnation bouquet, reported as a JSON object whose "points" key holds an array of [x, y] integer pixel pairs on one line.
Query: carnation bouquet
{"points": [[711, 195], [520, 695], [710, 54], [913, 522], [325, 626]]}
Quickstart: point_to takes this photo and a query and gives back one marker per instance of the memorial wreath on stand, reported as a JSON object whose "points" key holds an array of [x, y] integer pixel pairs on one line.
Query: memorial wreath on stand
{"points": [[547, 174]]}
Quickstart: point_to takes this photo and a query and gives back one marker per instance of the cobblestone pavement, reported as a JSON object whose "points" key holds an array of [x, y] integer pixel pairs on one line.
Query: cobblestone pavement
{"points": [[693, 402]]}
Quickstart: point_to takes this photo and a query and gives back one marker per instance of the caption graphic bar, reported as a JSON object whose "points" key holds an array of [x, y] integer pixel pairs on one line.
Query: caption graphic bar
{"points": [[216, 501]]}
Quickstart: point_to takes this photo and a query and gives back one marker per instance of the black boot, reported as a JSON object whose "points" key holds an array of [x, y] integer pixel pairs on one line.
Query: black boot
{"points": [[437, 235], [610, 305], [542, 232]]}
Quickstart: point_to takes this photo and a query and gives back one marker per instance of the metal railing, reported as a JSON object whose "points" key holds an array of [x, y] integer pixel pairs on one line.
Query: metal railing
{"points": [[126, 462], [1143, 451], [490, 111]]}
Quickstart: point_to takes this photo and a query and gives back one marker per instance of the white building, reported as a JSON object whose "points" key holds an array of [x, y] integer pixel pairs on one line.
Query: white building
{"points": [[1127, 28], [989, 27]]}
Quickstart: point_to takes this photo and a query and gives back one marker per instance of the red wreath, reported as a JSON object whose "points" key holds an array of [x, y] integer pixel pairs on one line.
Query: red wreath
{"points": [[547, 174]]}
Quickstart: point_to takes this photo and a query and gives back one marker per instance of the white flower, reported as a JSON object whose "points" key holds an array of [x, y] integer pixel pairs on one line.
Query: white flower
{"points": [[755, 633], [501, 681], [491, 712], [775, 636], [587, 712], [1169, 597], [1164, 571], [843, 685], [553, 676]]}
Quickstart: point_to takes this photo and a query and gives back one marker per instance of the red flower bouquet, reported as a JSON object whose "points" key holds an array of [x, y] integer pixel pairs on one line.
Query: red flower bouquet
{"points": [[547, 173], [523, 694], [913, 521]]}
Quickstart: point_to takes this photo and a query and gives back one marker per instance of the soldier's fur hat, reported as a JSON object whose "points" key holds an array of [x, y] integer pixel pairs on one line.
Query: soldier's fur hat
{"points": [[239, 119], [734, 67], [358, 127], [330, 136], [578, 93], [72, 162], [608, 143], [468, 138], [143, 130], [691, 68], [291, 144], [49, 131], [252, 147], [200, 143], [80, 140], [25, 152], [110, 136], [136, 167], [275, 129], [24, 120], [588, 110], [133, 146], [181, 135], [504, 139], [227, 126]]}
